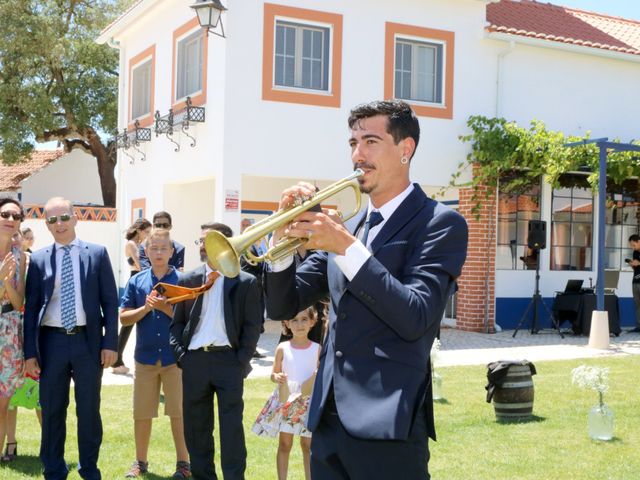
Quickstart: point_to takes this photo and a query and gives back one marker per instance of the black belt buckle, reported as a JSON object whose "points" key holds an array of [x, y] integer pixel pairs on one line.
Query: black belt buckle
{"points": [[71, 331]]}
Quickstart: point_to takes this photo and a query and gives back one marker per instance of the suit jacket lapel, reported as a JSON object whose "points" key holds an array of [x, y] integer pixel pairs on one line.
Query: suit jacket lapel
{"points": [[337, 278], [196, 310], [409, 207], [85, 261], [50, 271], [229, 320]]}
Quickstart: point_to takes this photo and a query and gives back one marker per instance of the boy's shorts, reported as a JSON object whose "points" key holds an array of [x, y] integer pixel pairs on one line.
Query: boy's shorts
{"points": [[146, 390]]}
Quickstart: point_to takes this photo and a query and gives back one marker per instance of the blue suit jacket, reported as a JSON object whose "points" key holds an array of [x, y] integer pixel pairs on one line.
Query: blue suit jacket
{"points": [[99, 297], [382, 324]]}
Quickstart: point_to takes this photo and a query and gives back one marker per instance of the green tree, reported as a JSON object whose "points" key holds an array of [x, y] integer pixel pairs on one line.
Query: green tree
{"points": [[56, 83]]}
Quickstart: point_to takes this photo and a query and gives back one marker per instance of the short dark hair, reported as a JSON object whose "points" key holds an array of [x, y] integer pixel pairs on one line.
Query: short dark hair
{"points": [[137, 226], [162, 214], [5, 200], [634, 238], [25, 230], [220, 227], [402, 121]]}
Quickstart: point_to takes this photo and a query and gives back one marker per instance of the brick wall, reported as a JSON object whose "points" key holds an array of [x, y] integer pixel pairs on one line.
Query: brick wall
{"points": [[477, 282]]}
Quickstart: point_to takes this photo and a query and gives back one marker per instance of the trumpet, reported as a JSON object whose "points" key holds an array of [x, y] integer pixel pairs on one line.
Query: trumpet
{"points": [[224, 253]]}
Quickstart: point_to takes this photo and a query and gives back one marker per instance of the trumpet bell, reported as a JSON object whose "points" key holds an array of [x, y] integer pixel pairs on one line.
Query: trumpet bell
{"points": [[222, 254]]}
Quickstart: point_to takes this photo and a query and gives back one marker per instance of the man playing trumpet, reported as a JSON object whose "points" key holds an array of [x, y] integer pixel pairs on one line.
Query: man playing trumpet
{"points": [[389, 272]]}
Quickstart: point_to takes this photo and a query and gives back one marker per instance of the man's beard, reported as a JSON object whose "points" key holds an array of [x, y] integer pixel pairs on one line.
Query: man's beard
{"points": [[203, 256]]}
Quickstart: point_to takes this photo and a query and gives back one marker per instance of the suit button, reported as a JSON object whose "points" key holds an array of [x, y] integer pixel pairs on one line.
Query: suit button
{"points": [[339, 354], [343, 316]]}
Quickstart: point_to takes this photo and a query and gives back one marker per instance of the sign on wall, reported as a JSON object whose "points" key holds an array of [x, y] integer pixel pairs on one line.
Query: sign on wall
{"points": [[232, 200]]}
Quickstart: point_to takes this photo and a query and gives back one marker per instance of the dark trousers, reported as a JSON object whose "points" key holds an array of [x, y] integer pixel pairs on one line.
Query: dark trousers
{"points": [[65, 357], [336, 455], [635, 290], [203, 375], [123, 338]]}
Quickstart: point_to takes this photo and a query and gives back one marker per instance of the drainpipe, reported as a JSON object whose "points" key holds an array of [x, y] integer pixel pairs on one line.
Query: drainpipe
{"points": [[120, 203], [499, 72]]}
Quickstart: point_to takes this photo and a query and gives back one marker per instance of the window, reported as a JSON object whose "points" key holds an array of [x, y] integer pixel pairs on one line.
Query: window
{"points": [[418, 71], [419, 68], [141, 87], [515, 210], [572, 224], [302, 55], [141, 90], [189, 70], [621, 221]]}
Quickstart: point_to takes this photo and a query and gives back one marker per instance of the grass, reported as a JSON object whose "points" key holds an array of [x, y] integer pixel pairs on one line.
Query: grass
{"points": [[471, 444]]}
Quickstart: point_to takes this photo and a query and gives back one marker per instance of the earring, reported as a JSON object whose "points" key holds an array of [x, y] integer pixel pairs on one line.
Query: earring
{"points": [[404, 160]]}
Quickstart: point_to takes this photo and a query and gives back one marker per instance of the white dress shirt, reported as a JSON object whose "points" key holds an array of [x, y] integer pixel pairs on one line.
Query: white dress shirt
{"points": [[52, 316], [357, 253], [211, 329]]}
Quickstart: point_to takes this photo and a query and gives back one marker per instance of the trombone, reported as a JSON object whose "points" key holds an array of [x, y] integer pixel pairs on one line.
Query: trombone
{"points": [[224, 253]]}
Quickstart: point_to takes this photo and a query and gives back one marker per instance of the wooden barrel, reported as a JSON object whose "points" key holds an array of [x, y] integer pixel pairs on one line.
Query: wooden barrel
{"points": [[513, 399]]}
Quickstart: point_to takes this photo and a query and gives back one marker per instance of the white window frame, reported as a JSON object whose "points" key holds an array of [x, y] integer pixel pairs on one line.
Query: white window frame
{"points": [[142, 63], [300, 25], [177, 60], [424, 41]]}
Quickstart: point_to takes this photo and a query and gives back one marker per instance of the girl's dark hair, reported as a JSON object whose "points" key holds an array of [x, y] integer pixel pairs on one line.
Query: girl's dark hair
{"points": [[25, 230], [5, 200], [310, 311], [139, 225]]}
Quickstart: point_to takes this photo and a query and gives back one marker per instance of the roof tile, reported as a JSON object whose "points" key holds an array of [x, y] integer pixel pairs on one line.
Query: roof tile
{"points": [[12, 175]]}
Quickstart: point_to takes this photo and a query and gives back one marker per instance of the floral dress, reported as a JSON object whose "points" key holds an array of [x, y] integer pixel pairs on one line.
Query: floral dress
{"points": [[11, 354], [289, 416]]}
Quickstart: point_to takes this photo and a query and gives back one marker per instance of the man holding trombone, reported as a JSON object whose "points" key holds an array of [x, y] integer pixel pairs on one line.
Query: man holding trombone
{"points": [[389, 271]]}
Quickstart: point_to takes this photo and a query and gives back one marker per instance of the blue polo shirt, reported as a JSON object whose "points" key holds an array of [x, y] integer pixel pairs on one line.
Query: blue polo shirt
{"points": [[152, 332]]}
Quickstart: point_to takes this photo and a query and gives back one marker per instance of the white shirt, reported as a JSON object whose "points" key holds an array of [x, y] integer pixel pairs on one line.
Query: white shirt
{"points": [[211, 329], [53, 314], [357, 254]]}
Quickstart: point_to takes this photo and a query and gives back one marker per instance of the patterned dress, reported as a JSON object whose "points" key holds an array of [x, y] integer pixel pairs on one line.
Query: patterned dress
{"points": [[11, 354], [289, 416]]}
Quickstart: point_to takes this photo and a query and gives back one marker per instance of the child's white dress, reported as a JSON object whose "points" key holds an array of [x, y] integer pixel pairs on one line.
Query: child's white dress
{"points": [[289, 416]]}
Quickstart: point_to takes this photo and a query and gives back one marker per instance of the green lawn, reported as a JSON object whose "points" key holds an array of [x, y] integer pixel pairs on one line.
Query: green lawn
{"points": [[471, 444]]}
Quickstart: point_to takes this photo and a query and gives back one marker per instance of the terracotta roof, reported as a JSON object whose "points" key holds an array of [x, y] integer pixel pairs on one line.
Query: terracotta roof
{"points": [[12, 175], [545, 21]]}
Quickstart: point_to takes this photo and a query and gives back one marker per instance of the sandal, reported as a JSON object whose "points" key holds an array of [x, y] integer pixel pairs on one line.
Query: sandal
{"points": [[9, 457]]}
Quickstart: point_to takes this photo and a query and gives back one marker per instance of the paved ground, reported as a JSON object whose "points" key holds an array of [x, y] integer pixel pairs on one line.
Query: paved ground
{"points": [[458, 348]]}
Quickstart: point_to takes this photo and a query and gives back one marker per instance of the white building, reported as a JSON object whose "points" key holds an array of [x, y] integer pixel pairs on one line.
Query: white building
{"points": [[277, 90]]}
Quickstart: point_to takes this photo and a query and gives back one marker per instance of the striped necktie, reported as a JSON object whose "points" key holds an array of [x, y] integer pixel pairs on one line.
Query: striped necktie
{"points": [[67, 291]]}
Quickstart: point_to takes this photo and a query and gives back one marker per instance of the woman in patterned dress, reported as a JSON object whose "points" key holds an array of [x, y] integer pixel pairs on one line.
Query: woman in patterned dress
{"points": [[12, 263]]}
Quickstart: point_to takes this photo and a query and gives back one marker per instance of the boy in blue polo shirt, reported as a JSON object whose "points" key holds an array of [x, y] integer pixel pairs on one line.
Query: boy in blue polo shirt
{"points": [[155, 364]]}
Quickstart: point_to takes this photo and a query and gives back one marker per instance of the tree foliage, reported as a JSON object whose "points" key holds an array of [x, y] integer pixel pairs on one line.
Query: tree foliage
{"points": [[56, 83], [501, 149]]}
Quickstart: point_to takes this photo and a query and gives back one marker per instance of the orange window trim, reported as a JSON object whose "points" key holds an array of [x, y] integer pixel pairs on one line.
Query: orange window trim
{"points": [[392, 30], [138, 203], [200, 98], [281, 94], [146, 120]]}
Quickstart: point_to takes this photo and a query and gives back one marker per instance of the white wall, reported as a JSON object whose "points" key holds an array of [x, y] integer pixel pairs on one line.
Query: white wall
{"points": [[73, 176]]}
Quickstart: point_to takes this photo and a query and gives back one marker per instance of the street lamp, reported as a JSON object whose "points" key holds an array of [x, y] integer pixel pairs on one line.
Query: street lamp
{"points": [[210, 15]]}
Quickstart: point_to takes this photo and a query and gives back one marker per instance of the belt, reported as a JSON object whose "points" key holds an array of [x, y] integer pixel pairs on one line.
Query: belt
{"points": [[7, 307], [215, 348], [71, 331]]}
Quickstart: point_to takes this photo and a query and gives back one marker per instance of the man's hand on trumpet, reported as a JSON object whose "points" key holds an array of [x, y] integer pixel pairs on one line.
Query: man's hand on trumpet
{"points": [[324, 230]]}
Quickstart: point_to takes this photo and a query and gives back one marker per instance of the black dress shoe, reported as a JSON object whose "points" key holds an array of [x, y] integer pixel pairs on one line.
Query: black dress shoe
{"points": [[635, 330], [257, 354]]}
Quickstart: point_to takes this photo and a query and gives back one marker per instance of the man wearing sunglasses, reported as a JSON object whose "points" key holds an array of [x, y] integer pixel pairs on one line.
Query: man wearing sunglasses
{"points": [[70, 332], [163, 220]]}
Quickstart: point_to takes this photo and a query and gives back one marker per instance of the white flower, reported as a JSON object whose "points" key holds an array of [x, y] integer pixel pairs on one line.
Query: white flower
{"points": [[595, 378], [435, 349]]}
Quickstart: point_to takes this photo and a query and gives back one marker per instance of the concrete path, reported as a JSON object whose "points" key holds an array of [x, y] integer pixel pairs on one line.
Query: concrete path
{"points": [[458, 348]]}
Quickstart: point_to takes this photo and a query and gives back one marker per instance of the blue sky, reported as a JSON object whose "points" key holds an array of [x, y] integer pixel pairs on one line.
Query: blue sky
{"points": [[620, 8]]}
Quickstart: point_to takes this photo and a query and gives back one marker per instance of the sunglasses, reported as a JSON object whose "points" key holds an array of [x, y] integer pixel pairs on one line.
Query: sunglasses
{"points": [[166, 226], [16, 216], [54, 219]]}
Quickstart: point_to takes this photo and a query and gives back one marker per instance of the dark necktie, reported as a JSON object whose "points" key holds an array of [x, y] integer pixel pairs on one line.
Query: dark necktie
{"points": [[374, 219], [67, 291]]}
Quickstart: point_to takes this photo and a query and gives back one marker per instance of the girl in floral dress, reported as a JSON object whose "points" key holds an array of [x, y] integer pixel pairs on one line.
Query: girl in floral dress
{"points": [[294, 370], [12, 262]]}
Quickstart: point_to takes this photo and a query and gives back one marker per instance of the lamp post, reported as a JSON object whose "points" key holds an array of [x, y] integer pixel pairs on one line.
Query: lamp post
{"points": [[210, 15]]}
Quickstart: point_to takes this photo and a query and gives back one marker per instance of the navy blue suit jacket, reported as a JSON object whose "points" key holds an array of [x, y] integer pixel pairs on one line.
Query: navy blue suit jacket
{"points": [[382, 323], [99, 297]]}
